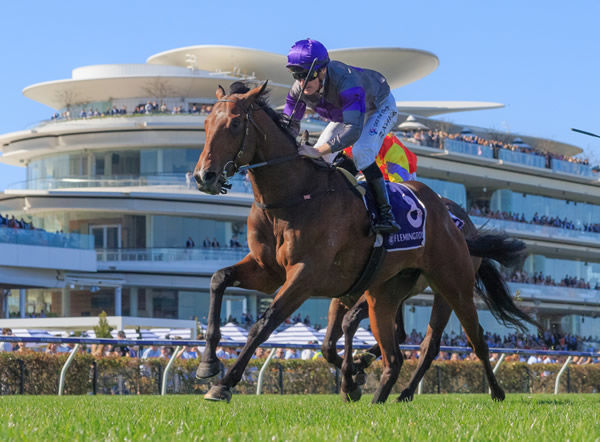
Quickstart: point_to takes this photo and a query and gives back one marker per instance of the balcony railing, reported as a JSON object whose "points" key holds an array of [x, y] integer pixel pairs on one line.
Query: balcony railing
{"points": [[178, 181], [42, 238], [468, 148], [573, 168], [548, 232], [171, 254], [523, 158]]}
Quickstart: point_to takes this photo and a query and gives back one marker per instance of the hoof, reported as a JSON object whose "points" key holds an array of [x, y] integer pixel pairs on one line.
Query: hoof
{"points": [[360, 378], [218, 393], [208, 370], [353, 396], [405, 396], [498, 396]]}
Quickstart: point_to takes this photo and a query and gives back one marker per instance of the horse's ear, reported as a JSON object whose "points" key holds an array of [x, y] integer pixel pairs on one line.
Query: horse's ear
{"points": [[220, 92], [253, 94]]}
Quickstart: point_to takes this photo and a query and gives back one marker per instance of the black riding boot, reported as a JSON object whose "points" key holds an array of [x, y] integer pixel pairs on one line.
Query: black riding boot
{"points": [[386, 222]]}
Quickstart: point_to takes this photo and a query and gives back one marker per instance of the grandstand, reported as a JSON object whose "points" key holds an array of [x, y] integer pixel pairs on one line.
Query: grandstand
{"points": [[108, 172]]}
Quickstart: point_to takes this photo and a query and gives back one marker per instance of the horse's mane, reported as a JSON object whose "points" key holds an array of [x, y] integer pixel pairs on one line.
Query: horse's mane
{"points": [[240, 87]]}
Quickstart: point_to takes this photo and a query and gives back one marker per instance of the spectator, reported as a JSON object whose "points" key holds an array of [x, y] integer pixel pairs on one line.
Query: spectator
{"points": [[124, 350], [234, 243], [190, 244], [6, 346], [151, 352], [187, 352]]}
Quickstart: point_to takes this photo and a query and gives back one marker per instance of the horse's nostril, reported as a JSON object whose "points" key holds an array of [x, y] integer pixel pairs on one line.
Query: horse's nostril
{"points": [[209, 177]]}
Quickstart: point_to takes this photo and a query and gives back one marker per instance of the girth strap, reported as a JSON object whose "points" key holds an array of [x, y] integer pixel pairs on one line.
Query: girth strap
{"points": [[368, 274]]}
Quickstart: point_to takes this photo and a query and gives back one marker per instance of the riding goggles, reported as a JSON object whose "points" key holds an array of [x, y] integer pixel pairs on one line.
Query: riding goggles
{"points": [[302, 74]]}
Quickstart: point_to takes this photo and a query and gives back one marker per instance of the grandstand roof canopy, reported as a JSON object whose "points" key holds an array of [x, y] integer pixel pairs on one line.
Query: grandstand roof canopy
{"points": [[399, 65]]}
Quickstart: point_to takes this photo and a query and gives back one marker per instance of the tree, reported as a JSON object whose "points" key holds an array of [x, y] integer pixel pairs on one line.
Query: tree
{"points": [[103, 330], [158, 88]]}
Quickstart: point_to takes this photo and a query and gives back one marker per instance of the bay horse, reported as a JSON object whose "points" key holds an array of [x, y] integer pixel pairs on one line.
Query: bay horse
{"points": [[344, 319], [309, 235]]}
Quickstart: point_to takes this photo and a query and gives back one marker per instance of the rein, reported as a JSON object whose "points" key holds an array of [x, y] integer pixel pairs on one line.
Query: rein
{"points": [[232, 167]]}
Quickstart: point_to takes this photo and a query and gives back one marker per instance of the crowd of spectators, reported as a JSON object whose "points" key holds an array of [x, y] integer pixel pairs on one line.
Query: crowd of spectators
{"points": [[435, 138], [234, 243], [538, 278], [548, 341], [12, 222], [543, 220], [148, 108]]}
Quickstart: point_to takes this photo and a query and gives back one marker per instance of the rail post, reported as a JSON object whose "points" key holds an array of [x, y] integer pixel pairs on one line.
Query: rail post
{"points": [[63, 372], [21, 376], [560, 373], [262, 371], [163, 390], [94, 378]]}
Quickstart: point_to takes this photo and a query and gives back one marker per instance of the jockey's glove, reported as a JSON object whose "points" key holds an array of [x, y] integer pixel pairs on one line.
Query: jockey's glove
{"points": [[308, 151]]}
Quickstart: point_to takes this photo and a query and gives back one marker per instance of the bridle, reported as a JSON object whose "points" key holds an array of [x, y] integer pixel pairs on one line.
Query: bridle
{"points": [[232, 167]]}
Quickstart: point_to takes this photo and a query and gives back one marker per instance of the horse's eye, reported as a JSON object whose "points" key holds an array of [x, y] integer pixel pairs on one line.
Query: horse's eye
{"points": [[235, 125]]}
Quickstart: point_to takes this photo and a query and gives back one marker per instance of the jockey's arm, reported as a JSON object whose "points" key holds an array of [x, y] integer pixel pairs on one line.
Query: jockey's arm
{"points": [[353, 110]]}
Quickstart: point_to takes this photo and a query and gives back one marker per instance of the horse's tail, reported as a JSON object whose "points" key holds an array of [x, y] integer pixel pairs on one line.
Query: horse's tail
{"points": [[497, 246], [496, 295]]}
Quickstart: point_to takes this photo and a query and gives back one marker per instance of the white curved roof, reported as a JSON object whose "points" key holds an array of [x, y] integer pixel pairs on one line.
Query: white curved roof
{"points": [[431, 108], [400, 66], [103, 82]]}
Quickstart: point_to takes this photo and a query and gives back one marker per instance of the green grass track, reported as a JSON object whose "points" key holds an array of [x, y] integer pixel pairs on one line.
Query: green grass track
{"points": [[290, 417]]}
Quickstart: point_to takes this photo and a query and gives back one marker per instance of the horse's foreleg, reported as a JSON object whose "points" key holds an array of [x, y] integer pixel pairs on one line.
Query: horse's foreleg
{"points": [[246, 274], [336, 313], [288, 299], [430, 347]]}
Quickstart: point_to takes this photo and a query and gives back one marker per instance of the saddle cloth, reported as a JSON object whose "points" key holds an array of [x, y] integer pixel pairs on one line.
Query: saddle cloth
{"points": [[410, 213]]}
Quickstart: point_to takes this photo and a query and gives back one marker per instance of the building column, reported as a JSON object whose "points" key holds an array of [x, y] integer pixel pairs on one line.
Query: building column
{"points": [[118, 302], [66, 302], [133, 301], [149, 303], [252, 306], [5, 295], [22, 303]]}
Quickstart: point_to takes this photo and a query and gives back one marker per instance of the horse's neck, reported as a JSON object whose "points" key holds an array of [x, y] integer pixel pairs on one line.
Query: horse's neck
{"points": [[274, 184]]}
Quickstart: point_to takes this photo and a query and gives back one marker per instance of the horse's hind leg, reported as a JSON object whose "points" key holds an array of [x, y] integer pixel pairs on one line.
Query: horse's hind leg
{"points": [[460, 299], [382, 314], [335, 316], [246, 274], [384, 303], [430, 347]]}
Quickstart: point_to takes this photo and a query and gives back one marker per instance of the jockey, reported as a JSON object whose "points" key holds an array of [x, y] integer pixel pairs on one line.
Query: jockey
{"points": [[357, 103]]}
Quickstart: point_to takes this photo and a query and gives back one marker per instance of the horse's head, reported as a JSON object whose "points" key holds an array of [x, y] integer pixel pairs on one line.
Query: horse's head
{"points": [[231, 135]]}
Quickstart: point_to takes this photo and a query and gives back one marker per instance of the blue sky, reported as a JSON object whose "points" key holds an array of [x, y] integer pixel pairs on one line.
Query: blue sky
{"points": [[540, 58]]}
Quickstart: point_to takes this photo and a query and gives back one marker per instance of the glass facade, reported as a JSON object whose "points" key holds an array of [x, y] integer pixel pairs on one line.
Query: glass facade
{"points": [[453, 191], [559, 269], [85, 169], [114, 230], [521, 203]]}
